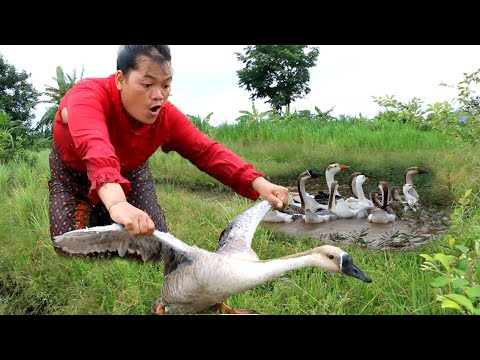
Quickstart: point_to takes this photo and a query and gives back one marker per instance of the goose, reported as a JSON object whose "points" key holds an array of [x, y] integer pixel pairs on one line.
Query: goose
{"points": [[352, 182], [320, 216], [205, 279], [373, 195], [306, 201], [330, 172], [341, 208], [396, 202], [360, 202], [383, 214], [412, 201], [409, 173]]}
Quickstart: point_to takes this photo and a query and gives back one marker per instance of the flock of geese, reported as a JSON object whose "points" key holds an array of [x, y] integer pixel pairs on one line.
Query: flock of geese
{"points": [[381, 208]]}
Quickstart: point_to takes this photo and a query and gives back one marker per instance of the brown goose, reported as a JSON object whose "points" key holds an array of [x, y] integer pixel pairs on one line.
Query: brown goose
{"points": [[204, 279]]}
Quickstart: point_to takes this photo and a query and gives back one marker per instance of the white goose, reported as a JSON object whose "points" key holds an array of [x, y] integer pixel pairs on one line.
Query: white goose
{"points": [[204, 279], [361, 202], [409, 173], [342, 210], [306, 201], [330, 172], [352, 183]]}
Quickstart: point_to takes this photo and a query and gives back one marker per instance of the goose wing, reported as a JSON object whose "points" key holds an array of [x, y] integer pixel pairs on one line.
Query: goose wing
{"points": [[238, 235], [114, 237]]}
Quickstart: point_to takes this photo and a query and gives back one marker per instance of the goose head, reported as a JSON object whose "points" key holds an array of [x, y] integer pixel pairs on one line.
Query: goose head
{"points": [[412, 171], [335, 260], [335, 168]]}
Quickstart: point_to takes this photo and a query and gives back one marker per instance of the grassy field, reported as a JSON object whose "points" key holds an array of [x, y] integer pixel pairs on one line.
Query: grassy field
{"points": [[34, 280]]}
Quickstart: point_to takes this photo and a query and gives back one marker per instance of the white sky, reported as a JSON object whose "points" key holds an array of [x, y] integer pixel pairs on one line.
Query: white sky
{"points": [[205, 80]]}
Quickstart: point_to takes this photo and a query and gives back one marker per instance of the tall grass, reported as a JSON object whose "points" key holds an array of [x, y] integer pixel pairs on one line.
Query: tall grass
{"points": [[34, 280]]}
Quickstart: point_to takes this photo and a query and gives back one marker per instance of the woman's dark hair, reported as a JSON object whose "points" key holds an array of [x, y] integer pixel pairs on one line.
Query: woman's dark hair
{"points": [[128, 54]]}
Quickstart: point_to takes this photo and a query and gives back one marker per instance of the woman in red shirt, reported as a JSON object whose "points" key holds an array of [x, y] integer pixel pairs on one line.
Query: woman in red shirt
{"points": [[104, 132]]}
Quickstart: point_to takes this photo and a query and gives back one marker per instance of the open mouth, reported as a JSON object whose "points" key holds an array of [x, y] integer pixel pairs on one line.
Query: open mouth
{"points": [[155, 109]]}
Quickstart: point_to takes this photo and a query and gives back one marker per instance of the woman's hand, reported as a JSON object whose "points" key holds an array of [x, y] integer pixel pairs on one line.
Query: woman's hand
{"points": [[136, 221], [275, 194]]}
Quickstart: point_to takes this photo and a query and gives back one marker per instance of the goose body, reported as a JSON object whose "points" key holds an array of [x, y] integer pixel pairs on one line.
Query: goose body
{"points": [[203, 279], [383, 214], [412, 201]]}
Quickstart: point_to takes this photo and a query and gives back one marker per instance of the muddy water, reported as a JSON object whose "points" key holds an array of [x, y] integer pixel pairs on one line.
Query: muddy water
{"points": [[401, 235]]}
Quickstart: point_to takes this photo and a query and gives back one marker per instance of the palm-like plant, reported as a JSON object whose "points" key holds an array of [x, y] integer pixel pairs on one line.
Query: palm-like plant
{"points": [[65, 82]]}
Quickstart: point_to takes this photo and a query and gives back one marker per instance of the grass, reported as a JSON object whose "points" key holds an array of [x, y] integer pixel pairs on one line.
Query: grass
{"points": [[34, 280]]}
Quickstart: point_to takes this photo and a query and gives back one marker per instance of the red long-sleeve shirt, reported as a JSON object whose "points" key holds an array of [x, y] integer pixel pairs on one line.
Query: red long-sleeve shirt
{"points": [[101, 140]]}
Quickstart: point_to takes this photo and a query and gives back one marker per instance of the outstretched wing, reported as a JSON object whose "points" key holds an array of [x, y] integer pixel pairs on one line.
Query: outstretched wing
{"points": [[238, 235], [114, 237]]}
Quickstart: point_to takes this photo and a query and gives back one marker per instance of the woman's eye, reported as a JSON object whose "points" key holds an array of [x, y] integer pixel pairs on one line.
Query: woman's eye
{"points": [[146, 86]]}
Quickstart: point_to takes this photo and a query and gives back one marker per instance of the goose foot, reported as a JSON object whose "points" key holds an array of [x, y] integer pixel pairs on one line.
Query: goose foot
{"points": [[222, 307], [158, 308]]}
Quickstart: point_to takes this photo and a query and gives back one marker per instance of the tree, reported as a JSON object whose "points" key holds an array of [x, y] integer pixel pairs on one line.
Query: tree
{"points": [[277, 72], [65, 83], [18, 98]]}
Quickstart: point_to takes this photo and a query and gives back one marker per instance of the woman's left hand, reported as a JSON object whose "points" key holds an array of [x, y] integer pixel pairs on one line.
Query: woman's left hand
{"points": [[275, 194]]}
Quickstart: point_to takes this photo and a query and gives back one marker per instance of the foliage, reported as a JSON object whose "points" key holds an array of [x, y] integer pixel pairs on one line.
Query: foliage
{"points": [[202, 124], [64, 82], [463, 123], [410, 112], [458, 283], [277, 72], [18, 99], [12, 143], [467, 129], [254, 116]]}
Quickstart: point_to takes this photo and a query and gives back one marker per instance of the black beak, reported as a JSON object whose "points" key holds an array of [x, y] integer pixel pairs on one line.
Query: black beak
{"points": [[314, 173], [349, 268]]}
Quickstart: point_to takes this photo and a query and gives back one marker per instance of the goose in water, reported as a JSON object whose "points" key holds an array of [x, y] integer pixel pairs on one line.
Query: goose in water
{"points": [[360, 202], [330, 172], [205, 279], [383, 214], [307, 201], [352, 183], [320, 216], [409, 173], [343, 211]]}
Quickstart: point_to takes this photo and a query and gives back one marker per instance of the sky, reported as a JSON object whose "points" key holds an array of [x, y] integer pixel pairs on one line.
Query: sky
{"points": [[205, 80]]}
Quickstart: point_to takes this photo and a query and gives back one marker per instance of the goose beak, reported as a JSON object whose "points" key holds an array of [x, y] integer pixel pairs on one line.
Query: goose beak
{"points": [[342, 167], [349, 268]]}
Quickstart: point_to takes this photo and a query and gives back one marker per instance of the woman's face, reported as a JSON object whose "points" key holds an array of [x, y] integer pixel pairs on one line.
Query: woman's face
{"points": [[144, 90]]}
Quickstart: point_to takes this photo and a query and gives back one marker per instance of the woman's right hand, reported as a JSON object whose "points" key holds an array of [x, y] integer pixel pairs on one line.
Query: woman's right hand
{"points": [[136, 221]]}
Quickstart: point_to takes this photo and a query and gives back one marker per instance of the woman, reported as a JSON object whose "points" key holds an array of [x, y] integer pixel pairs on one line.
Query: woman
{"points": [[104, 132]]}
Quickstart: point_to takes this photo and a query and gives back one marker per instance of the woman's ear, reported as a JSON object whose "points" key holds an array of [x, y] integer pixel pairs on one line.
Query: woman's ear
{"points": [[119, 79]]}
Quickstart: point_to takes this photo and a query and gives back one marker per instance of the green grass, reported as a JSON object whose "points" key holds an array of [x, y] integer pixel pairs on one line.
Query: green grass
{"points": [[34, 280]]}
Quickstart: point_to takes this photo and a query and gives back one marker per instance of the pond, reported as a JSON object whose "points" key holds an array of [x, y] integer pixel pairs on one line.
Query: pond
{"points": [[401, 235], [404, 234]]}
